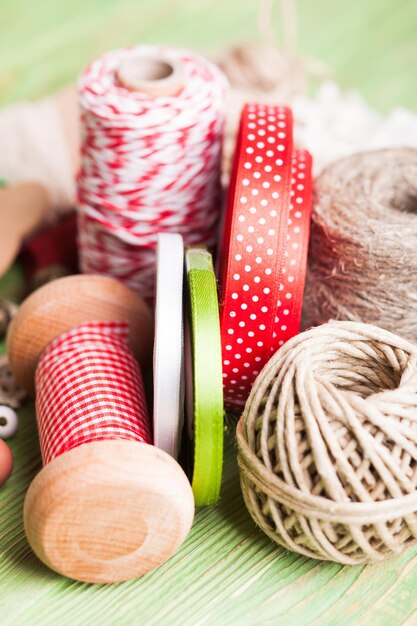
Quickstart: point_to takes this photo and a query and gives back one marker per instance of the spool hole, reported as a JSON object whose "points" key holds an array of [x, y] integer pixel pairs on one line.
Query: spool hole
{"points": [[409, 204], [3, 421]]}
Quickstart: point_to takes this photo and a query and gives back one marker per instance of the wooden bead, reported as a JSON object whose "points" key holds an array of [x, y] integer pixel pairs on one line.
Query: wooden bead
{"points": [[6, 461], [65, 303], [108, 511]]}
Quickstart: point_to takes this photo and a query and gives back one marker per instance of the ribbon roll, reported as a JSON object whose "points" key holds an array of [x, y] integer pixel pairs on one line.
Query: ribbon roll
{"points": [[168, 349], [264, 246], [204, 388]]}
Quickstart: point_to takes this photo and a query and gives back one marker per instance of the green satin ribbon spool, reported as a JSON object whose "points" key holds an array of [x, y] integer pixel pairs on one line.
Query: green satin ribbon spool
{"points": [[205, 398]]}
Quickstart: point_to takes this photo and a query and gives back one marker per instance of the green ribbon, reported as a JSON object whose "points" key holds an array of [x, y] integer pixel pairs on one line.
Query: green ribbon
{"points": [[207, 385]]}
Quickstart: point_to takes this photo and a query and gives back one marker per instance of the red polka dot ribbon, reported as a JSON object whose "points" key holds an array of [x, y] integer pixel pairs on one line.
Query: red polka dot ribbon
{"points": [[264, 248], [89, 388]]}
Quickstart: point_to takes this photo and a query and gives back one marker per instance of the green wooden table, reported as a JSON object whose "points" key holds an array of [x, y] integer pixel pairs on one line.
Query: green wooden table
{"points": [[227, 572]]}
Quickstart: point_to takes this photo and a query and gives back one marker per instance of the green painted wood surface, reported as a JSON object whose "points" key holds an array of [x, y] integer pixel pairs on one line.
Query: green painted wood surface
{"points": [[227, 573]]}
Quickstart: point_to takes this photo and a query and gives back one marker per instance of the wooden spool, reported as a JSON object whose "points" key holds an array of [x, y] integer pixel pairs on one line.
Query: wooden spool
{"points": [[105, 511], [152, 75]]}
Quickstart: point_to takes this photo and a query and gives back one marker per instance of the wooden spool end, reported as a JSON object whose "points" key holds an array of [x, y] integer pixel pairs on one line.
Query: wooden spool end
{"points": [[65, 303], [152, 75], [127, 507]]}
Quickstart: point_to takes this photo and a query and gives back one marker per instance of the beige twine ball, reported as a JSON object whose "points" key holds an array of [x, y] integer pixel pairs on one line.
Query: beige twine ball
{"points": [[327, 444], [363, 246]]}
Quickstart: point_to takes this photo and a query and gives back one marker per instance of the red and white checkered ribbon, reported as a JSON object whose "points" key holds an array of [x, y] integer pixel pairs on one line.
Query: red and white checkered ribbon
{"points": [[89, 388], [149, 165]]}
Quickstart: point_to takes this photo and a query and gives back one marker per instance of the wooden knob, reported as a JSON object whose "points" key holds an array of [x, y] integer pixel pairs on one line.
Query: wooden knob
{"points": [[152, 75], [65, 303], [127, 506]]}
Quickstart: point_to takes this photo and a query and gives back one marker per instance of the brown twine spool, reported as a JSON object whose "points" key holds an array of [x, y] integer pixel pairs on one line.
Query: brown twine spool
{"points": [[327, 444], [363, 246]]}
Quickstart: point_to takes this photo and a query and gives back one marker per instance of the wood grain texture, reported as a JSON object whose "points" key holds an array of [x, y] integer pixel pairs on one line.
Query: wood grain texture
{"points": [[226, 573]]}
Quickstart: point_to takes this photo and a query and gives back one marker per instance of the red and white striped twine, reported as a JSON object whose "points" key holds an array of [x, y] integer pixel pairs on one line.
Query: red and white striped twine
{"points": [[149, 165], [89, 388]]}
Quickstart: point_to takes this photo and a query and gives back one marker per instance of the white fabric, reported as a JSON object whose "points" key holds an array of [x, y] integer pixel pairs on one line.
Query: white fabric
{"points": [[33, 148]]}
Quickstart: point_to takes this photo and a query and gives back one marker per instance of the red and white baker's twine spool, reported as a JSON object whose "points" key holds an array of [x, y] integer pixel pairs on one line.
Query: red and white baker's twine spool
{"points": [[264, 249], [149, 165], [89, 388]]}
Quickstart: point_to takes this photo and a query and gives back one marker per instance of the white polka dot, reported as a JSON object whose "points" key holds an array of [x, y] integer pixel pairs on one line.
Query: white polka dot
{"points": [[288, 296], [239, 237], [241, 218], [298, 214], [249, 248], [271, 140], [262, 327], [253, 316], [252, 210], [256, 279], [264, 202], [280, 147], [260, 343], [245, 182], [248, 350], [277, 178], [239, 340], [261, 132], [266, 185], [255, 298], [260, 240], [248, 165], [251, 137], [230, 331], [258, 259], [255, 192], [228, 347], [250, 150], [270, 252], [264, 309], [260, 145], [275, 195], [247, 268], [238, 356], [286, 312], [243, 306], [268, 271], [232, 313], [236, 276], [279, 162], [273, 213], [269, 153], [238, 257], [283, 327], [251, 229], [268, 168], [251, 333], [243, 200], [245, 287], [282, 135], [266, 290], [271, 232]]}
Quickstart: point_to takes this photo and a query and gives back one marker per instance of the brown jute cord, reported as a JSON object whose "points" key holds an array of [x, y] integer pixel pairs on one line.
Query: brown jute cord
{"points": [[363, 246], [327, 444]]}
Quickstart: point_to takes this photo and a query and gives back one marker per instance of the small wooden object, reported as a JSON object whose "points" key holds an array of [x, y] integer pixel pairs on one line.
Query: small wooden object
{"points": [[152, 75], [104, 511], [22, 209]]}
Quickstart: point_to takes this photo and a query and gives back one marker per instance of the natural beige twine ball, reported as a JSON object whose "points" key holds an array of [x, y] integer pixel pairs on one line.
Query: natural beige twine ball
{"points": [[327, 444], [363, 246]]}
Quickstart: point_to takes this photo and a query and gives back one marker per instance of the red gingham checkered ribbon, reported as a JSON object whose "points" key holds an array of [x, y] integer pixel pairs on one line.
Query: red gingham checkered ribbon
{"points": [[89, 388], [264, 249], [149, 165]]}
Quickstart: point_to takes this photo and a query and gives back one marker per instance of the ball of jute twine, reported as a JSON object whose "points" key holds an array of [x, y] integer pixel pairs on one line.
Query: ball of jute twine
{"points": [[363, 246], [327, 444]]}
